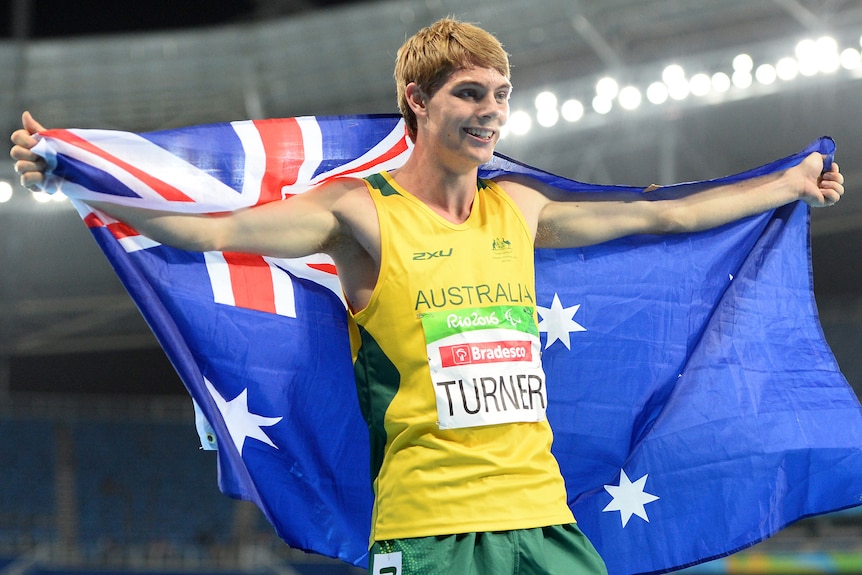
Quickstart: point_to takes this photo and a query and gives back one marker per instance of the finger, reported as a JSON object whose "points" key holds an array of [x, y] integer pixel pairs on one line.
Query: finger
{"points": [[832, 191], [831, 197], [24, 140], [30, 124], [836, 177], [838, 189], [24, 166], [32, 180], [23, 153], [19, 152], [22, 137]]}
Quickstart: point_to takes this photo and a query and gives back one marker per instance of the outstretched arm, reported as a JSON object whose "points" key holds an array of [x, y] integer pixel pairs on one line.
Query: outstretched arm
{"points": [[578, 220], [300, 226]]}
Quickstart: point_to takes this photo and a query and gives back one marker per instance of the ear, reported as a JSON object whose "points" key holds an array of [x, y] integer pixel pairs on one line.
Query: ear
{"points": [[416, 98]]}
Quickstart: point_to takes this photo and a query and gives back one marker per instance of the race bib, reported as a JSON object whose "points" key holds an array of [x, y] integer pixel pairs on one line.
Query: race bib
{"points": [[386, 563], [486, 366]]}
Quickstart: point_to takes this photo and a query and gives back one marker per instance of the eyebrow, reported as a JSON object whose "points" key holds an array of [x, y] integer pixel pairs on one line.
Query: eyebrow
{"points": [[469, 82]]}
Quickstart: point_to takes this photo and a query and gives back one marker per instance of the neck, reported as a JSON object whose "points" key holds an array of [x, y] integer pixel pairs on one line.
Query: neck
{"points": [[447, 192]]}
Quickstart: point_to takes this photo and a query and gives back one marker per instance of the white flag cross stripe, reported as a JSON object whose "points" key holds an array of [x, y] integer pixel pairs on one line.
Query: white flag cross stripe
{"points": [[211, 194], [208, 192]]}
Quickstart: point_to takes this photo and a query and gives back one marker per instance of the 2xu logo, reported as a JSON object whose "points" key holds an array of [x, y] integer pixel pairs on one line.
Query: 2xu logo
{"points": [[420, 256]]}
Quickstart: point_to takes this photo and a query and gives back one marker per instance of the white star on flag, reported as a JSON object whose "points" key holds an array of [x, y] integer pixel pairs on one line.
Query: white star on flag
{"points": [[557, 322], [240, 422], [629, 498]]}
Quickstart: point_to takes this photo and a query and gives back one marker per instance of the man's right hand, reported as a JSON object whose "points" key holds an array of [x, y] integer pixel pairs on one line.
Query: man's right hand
{"points": [[29, 166]]}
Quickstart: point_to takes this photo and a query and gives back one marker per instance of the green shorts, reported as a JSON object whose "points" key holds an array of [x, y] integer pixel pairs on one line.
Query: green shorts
{"points": [[540, 551]]}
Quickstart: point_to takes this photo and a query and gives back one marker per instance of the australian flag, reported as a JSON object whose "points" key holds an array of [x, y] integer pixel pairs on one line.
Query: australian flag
{"points": [[696, 406]]}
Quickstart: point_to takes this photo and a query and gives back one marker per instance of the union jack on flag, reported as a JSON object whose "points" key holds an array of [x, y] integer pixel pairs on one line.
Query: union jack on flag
{"points": [[290, 156], [696, 407]]}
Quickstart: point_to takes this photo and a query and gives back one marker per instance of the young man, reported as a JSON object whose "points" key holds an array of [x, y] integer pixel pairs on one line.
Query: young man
{"points": [[456, 490]]}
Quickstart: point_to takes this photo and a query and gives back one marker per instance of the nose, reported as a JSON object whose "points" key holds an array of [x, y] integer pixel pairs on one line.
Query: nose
{"points": [[492, 108]]}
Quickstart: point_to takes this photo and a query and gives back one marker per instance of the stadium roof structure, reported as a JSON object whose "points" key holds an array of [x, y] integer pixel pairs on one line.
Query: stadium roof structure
{"points": [[294, 57]]}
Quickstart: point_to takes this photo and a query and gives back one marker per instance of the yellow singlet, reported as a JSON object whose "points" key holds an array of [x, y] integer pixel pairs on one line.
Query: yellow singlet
{"points": [[449, 375]]}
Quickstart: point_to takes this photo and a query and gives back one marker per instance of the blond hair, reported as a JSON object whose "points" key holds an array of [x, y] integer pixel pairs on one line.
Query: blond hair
{"points": [[431, 55]]}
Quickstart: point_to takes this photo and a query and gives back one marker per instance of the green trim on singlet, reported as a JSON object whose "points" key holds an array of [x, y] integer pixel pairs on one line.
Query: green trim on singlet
{"points": [[377, 368], [380, 182]]}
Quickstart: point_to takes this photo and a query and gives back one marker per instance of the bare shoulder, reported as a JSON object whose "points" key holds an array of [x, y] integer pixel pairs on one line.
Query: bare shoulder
{"points": [[335, 192], [357, 249], [345, 199], [348, 193], [353, 207], [351, 202], [530, 195]]}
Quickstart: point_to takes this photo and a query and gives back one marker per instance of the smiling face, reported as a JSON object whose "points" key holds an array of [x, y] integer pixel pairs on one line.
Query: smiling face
{"points": [[430, 57], [462, 120]]}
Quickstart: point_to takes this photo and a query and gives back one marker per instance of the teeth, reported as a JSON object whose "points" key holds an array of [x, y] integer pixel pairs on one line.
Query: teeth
{"points": [[486, 134]]}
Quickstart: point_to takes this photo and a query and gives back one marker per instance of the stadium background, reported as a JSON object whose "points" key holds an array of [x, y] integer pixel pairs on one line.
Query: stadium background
{"points": [[100, 467]]}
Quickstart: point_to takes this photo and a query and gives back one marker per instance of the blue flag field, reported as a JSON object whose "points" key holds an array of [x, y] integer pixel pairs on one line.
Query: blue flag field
{"points": [[696, 406]]}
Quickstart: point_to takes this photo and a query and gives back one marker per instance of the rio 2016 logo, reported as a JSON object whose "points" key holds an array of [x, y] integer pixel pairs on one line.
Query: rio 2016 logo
{"points": [[474, 319]]}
